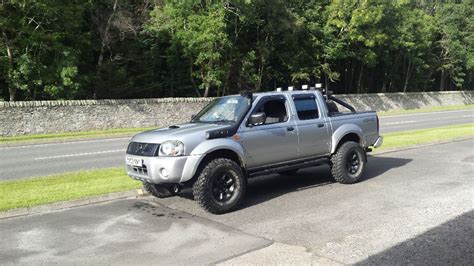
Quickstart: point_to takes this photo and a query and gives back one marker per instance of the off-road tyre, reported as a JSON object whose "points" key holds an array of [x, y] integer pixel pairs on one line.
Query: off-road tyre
{"points": [[289, 172], [159, 191], [344, 169], [212, 187]]}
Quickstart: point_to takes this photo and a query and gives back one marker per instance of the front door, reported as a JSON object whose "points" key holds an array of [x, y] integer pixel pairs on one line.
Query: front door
{"points": [[275, 140]]}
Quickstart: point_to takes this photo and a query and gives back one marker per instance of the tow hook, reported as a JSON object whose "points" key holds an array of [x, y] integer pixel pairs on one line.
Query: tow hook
{"points": [[176, 188]]}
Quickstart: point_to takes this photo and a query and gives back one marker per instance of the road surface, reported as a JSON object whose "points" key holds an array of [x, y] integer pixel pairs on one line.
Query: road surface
{"points": [[413, 207], [45, 159]]}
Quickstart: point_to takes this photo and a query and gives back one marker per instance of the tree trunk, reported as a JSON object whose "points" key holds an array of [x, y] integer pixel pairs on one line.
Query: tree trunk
{"points": [[258, 86], [11, 87], [360, 78], [206, 92], [407, 77], [196, 89], [351, 80], [226, 83], [392, 73], [104, 44], [442, 80]]}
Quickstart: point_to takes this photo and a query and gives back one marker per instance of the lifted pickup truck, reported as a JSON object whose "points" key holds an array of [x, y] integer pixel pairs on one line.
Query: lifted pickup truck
{"points": [[241, 136]]}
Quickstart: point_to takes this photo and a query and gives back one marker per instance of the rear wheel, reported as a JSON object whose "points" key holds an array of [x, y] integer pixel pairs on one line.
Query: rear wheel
{"points": [[348, 163], [161, 190], [220, 187]]}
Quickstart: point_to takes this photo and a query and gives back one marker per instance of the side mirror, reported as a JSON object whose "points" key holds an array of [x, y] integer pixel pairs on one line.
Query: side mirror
{"points": [[257, 119], [193, 116]]}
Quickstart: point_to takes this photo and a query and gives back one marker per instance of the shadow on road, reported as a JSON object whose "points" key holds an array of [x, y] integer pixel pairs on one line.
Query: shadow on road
{"points": [[379, 165], [264, 188], [450, 243]]}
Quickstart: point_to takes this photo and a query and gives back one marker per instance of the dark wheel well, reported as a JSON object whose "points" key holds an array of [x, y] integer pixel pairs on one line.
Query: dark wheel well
{"points": [[349, 137], [223, 153]]}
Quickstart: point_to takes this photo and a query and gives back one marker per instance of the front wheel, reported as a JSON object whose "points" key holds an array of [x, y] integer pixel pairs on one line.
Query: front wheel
{"points": [[220, 187], [348, 163]]}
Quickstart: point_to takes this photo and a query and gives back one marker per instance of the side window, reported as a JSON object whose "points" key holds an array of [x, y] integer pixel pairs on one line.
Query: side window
{"points": [[274, 110], [306, 108]]}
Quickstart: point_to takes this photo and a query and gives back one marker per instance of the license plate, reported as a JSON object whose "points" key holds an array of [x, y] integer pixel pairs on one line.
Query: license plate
{"points": [[134, 161]]}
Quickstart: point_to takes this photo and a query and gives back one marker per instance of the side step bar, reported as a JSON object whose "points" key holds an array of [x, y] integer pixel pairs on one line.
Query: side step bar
{"points": [[286, 167]]}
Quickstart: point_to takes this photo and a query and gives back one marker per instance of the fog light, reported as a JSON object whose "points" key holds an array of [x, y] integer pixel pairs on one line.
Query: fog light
{"points": [[164, 172]]}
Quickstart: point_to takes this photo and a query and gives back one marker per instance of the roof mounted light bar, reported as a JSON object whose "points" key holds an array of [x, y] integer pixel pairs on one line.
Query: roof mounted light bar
{"points": [[303, 87]]}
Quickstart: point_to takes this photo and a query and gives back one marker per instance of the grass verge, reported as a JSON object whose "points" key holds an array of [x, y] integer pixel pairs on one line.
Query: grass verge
{"points": [[405, 139], [71, 135], [62, 187], [427, 110], [76, 185]]}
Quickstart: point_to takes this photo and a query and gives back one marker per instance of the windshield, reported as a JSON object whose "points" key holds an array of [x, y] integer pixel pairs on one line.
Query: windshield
{"points": [[223, 110]]}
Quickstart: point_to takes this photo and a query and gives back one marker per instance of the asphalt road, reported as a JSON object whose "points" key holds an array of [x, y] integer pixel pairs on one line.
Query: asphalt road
{"points": [[45, 159], [413, 207]]}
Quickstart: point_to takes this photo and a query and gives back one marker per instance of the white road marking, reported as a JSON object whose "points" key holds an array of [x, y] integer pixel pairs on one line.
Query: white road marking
{"points": [[61, 143], [78, 154], [401, 122], [428, 113]]}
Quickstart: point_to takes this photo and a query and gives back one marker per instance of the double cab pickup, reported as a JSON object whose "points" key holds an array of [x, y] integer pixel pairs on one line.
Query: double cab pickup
{"points": [[238, 137]]}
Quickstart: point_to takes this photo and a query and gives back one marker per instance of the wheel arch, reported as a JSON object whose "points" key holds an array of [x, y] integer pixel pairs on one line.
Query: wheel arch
{"points": [[205, 152], [346, 133]]}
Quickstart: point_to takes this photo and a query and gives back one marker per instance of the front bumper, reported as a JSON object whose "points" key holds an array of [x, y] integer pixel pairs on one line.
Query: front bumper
{"points": [[158, 170], [378, 142]]}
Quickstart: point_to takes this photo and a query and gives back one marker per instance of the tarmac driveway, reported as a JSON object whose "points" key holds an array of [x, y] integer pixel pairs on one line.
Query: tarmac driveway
{"points": [[414, 206]]}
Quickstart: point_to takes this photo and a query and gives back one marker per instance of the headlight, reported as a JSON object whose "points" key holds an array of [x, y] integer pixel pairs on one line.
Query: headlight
{"points": [[172, 148]]}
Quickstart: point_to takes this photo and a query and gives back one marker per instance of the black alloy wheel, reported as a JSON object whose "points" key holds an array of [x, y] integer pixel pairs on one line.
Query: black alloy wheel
{"points": [[352, 162], [223, 187]]}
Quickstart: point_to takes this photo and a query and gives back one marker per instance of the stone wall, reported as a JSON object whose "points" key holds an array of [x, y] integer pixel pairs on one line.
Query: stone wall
{"points": [[17, 118], [409, 100]]}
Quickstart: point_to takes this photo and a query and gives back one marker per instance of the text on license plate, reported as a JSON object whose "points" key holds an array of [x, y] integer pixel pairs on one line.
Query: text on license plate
{"points": [[134, 161]]}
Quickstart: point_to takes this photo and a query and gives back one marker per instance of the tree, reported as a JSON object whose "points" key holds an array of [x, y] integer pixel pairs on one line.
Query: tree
{"points": [[198, 28], [455, 22], [40, 42]]}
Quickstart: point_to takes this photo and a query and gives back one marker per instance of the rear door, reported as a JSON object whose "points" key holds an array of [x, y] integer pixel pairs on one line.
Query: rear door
{"points": [[274, 141], [313, 128]]}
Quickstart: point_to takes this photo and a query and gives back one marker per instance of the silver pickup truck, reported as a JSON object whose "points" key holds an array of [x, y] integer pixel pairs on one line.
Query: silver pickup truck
{"points": [[241, 136]]}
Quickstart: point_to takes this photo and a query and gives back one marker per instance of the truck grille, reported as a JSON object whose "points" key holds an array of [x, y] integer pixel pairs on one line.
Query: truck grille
{"points": [[143, 149]]}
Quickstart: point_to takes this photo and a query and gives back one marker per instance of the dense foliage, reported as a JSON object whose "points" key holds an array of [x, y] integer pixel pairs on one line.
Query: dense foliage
{"points": [[55, 49]]}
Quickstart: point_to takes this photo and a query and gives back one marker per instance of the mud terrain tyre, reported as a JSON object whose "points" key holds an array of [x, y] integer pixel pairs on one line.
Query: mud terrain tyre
{"points": [[348, 163], [159, 191], [220, 186]]}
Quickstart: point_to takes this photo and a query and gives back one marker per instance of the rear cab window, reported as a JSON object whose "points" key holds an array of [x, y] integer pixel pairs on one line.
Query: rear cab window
{"points": [[306, 107]]}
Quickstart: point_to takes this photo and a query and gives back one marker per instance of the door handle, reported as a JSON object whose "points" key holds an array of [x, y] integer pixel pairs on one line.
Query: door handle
{"points": [[320, 125], [290, 128]]}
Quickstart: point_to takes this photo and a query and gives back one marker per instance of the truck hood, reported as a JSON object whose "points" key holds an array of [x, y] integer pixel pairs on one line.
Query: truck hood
{"points": [[189, 132]]}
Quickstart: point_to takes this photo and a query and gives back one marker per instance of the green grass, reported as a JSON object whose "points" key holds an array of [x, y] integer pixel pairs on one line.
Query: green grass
{"points": [[424, 110], [77, 185], [63, 187], [405, 139], [71, 135]]}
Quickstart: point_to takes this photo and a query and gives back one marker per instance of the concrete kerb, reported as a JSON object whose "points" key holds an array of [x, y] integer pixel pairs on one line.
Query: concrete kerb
{"points": [[138, 193]]}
